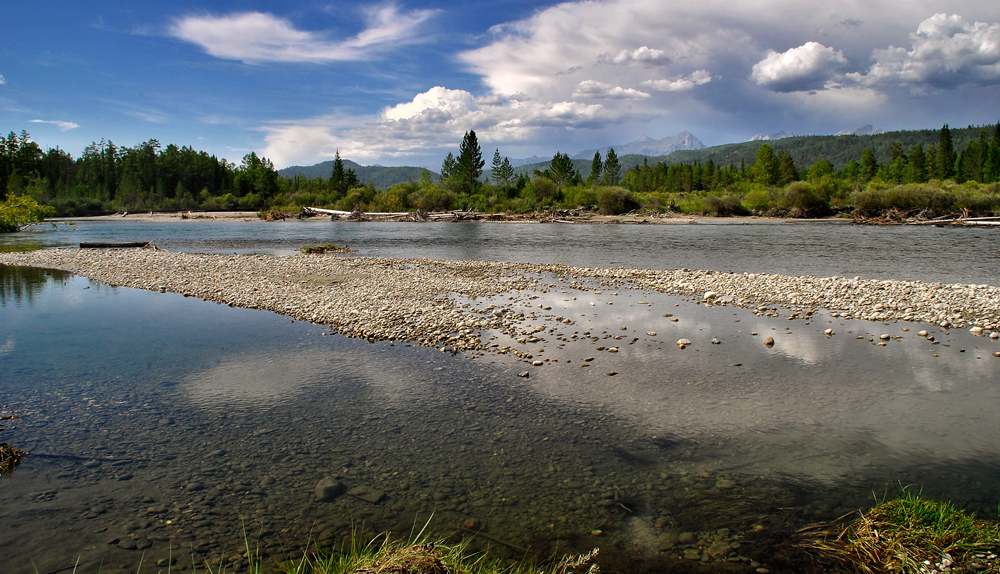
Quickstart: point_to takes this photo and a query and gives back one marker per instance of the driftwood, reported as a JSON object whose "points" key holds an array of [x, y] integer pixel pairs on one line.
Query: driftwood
{"points": [[114, 245]]}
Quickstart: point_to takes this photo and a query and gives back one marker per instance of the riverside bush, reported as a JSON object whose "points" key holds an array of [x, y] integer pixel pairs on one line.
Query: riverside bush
{"points": [[803, 200], [615, 200]]}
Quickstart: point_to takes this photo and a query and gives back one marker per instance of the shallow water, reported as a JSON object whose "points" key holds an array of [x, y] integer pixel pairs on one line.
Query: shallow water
{"points": [[192, 427], [183, 425], [925, 253]]}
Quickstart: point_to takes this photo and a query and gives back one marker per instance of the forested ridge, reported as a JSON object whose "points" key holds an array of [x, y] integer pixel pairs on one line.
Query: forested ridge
{"points": [[934, 171]]}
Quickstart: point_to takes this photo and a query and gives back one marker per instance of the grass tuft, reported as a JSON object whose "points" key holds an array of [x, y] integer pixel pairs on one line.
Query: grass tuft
{"points": [[910, 535]]}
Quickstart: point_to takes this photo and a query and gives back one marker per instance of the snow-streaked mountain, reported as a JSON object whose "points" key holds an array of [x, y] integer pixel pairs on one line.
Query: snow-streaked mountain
{"points": [[773, 136], [868, 130], [648, 146]]}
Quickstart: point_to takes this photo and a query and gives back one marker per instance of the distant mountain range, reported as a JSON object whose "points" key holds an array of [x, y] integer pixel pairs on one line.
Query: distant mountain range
{"points": [[773, 136], [868, 130], [381, 176], [647, 146]]}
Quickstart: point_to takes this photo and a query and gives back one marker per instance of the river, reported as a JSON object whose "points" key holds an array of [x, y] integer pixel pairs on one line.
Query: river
{"points": [[178, 429]]}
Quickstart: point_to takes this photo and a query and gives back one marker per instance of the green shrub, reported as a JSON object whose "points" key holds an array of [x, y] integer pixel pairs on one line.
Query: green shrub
{"points": [[803, 200], [726, 206], [615, 200], [758, 199]]}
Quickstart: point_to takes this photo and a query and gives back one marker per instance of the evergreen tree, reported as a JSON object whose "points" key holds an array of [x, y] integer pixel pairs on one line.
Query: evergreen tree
{"points": [[469, 166], [868, 167], [931, 162], [561, 169], [508, 172], [991, 171], [596, 167], [946, 156], [496, 171], [765, 169], [337, 182], [448, 167], [916, 169], [612, 169], [786, 169]]}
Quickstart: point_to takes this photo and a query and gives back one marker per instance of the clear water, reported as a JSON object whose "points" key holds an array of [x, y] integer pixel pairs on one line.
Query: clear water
{"points": [[925, 253], [185, 426]]}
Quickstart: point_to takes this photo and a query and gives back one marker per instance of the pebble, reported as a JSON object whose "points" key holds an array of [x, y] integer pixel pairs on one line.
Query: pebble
{"points": [[328, 489]]}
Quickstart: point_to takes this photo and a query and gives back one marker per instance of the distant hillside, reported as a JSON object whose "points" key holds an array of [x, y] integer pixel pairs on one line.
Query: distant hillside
{"points": [[839, 150], [805, 150], [381, 176]]}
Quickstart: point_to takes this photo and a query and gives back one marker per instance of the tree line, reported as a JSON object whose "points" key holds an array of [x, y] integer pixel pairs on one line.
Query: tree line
{"points": [[108, 178]]}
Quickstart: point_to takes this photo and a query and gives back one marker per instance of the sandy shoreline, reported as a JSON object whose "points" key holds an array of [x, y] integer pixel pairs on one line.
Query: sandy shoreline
{"points": [[443, 303]]}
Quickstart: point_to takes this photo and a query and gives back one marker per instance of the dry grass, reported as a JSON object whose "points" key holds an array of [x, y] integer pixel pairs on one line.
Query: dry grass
{"points": [[908, 535]]}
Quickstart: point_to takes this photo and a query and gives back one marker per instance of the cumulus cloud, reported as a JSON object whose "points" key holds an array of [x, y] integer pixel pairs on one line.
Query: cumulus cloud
{"points": [[432, 122], [641, 55], [3, 80], [808, 67], [255, 37], [570, 67], [595, 89], [63, 126], [681, 84], [437, 102], [946, 52]]}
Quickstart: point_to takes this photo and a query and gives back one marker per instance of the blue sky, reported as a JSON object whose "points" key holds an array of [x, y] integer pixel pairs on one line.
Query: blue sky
{"points": [[399, 83]]}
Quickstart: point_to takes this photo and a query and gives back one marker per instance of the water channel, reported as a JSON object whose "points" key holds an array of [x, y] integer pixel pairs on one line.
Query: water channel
{"points": [[166, 429]]}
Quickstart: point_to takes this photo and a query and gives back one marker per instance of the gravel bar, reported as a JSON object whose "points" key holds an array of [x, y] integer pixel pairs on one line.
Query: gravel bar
{"points": [[439, 303]]}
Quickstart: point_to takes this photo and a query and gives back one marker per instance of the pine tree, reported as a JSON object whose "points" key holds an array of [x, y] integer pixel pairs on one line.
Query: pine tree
{"points": [[916, 169], [991, 171], [507, 172], [786, 168], [469, 166], [596, 167], [337, 182], [496, 172], [765, 169], [561, 169], [448, 167], [946, 156], [612, 169], [868, 167]]}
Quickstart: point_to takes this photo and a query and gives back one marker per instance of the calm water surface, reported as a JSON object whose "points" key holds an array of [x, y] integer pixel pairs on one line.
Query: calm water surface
{"points": [[170, 427], [926, 253]]}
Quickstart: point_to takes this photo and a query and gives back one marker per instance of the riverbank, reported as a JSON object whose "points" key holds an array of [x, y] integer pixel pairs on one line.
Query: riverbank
{"points": [[445, 304], [563, 217]]}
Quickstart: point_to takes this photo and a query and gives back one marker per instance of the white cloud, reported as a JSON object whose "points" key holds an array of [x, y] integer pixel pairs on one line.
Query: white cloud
{"points": [[682, 84], [595, 89], [947, 52], [3, 80], [63, 126], [808, 67], [254, 37], [431, 123], [437, 101], [587, 67], [641, 55]]}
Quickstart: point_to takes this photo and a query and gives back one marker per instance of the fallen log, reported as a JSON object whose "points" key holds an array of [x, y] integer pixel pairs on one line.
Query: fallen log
{"points": [[113, 244]]}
